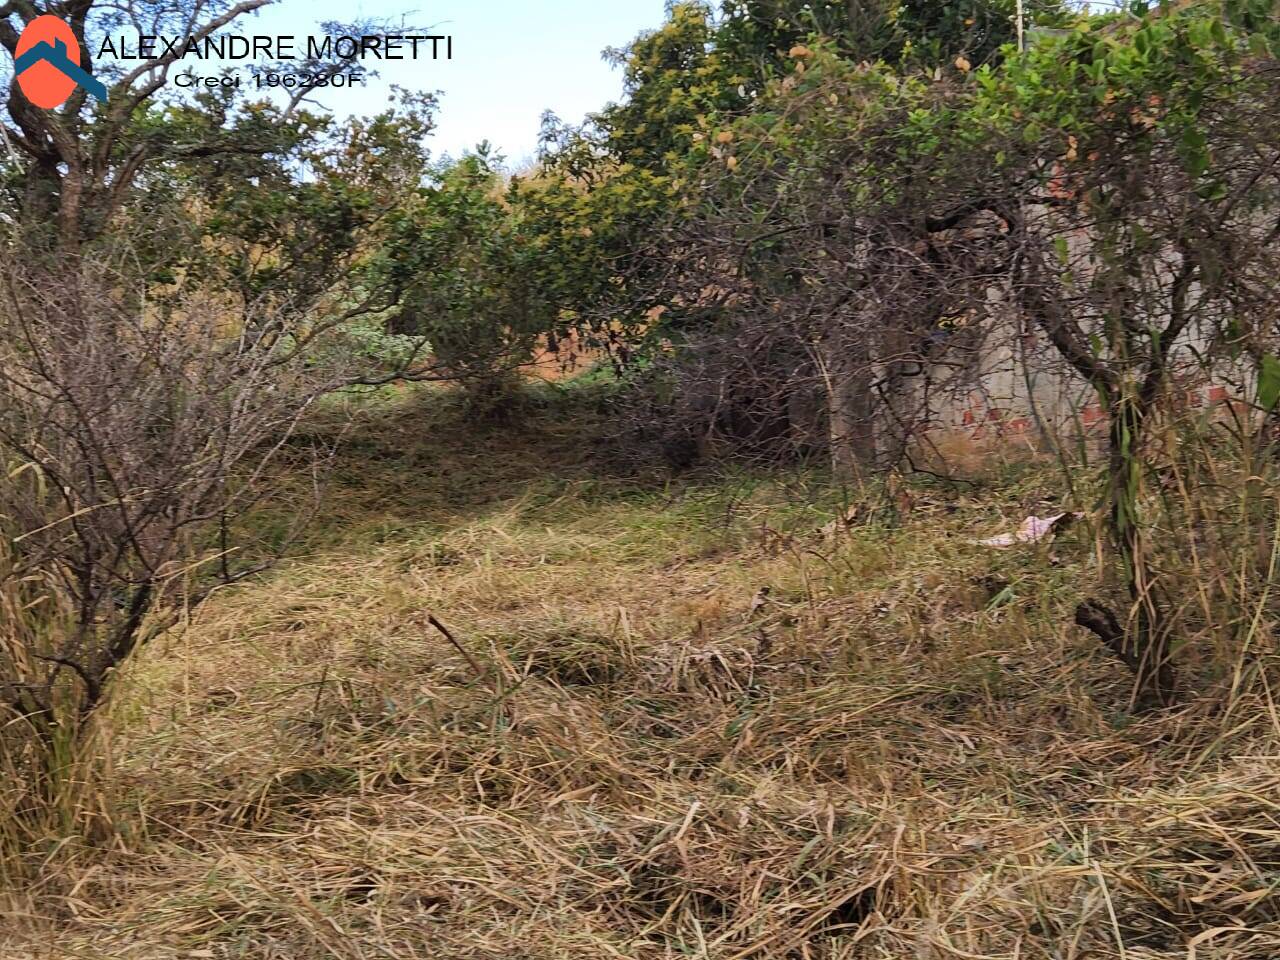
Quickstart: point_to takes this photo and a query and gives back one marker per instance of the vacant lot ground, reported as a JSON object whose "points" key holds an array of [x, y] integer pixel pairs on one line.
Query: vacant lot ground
{"points": [[686, 718]]}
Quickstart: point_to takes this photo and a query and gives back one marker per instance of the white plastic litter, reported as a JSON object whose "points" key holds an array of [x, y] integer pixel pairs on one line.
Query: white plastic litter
{"points": [[1033, 530]]}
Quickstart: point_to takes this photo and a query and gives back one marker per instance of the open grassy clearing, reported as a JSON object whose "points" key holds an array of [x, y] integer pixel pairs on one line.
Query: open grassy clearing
{"points": [[902, 749]]}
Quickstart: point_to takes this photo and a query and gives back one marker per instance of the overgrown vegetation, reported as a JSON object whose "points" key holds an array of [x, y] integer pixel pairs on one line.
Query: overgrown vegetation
{"points": [[901, 747], [699, 653]]}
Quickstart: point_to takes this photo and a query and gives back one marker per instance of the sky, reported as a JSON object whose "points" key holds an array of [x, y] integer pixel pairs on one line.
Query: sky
{"points": [[512, 60]]}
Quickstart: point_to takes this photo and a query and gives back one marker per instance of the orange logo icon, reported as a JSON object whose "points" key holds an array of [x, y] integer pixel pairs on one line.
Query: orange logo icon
{"points": [[47, 63]]}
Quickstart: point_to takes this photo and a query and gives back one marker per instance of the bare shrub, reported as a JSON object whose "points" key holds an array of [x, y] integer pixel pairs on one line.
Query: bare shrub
{"points": [[131, 436]]}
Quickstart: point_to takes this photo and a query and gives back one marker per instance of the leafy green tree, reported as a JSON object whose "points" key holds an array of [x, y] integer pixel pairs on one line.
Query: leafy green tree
{"points": [[757, 35], [674, 79], [468, 275], [626, 170], [80, 163], [1136, 169], [826, 229], [302, 234]]}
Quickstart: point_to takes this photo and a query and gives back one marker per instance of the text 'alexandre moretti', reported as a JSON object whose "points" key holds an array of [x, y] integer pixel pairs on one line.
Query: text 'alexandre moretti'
{"points": [[279, 47]]}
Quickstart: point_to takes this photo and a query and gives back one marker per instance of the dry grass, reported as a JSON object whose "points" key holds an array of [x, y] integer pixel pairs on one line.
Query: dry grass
{"points": [[901, 751]]}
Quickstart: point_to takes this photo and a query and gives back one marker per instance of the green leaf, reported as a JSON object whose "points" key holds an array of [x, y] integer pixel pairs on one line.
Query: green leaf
{"points": [[1004, 597], [1195, 151], [1269, 382]]}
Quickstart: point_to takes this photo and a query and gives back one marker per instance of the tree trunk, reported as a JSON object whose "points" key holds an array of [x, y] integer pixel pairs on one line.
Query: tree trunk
{"points": [[850, 409], [900, 412], [1144, 642], [1147, 636]]}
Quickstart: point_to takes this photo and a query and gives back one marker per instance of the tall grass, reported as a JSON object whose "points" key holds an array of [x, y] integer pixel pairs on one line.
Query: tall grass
{"points": [[39, 758]]}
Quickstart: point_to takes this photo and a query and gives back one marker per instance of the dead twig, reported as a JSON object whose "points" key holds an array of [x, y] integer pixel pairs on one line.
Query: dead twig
{"points": [[475, 664]]}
